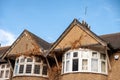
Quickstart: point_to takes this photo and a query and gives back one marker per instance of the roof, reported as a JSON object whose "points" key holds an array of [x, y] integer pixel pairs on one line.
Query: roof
{"points": [[42, 43], [38, 41], [112, 39], [3, 50]]}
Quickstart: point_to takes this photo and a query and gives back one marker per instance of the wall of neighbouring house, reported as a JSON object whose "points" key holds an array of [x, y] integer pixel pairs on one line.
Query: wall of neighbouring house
{"points": [[114, 73]]}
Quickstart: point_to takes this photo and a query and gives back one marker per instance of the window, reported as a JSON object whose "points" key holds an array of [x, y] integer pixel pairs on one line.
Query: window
{"points": [[37, 69], [67, 66], [94, 62], [103, 68], [44, 72], [84, 60], [32, 66], [75, 65], [7, 74], [84, 64], [94, 65], [21, 68], [4, 71], [103, 62], [28, 68]]}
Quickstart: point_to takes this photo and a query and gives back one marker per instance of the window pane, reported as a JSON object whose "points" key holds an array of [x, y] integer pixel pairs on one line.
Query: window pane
{"points": [[63, 58], [28, 68], [7, 74], [3, 66], [75, 54], [63, 67], [29, 59], [67, 55], [94, 65], [1, 74], [21, 68], [103, 67], [37, 59], [84, 54], [67, 65], [17, 61], [44, 71], [22, 60], [16, 68], [8, 65], [37, 69], [75, 65], [103, 56], [94, 54], [84, 64]]}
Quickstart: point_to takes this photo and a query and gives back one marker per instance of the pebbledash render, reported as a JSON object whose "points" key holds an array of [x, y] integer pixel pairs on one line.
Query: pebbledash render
{"points": [[78, 54]]}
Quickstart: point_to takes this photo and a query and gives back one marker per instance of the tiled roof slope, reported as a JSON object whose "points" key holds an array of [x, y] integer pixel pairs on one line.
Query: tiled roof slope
{"points": [[3, 50], [113, 39], [42, 43]]}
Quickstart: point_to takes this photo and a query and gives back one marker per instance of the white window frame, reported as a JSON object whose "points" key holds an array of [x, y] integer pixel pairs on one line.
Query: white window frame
{"points": [[4, 70], [88, 56], [25, 63]]}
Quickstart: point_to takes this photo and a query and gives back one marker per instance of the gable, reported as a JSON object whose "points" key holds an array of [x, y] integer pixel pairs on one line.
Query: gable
{"points": [[24, 45], [77, 35]]}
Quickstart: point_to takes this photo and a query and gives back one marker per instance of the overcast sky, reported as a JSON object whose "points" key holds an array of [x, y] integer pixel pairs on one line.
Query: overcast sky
{"points": [[49, 18]]}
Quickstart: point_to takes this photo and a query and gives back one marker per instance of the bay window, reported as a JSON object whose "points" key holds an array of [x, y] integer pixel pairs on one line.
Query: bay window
{"points": [[32, 66], [84, 60]]}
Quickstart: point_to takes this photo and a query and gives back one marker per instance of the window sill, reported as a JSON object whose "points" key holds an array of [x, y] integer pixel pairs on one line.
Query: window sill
{"points": [[30, 75], [77, 72]]}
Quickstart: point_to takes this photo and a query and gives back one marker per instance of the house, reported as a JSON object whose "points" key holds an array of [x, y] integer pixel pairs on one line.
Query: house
{"points": [[78, 54]]}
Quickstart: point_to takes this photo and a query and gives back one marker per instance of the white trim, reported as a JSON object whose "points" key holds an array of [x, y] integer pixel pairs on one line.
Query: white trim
{"points": [[87, 55]]}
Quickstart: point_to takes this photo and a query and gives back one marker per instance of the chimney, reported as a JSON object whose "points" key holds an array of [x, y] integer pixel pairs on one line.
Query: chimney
{"points": [[85, 24]]}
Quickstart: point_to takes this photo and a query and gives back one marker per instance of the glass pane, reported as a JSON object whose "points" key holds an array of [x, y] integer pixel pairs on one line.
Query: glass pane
{"points": [[8, 65], [1, 74], [75, 65], [16, 68], [44, 71], [84, 64], [17, 61], [103, 67], [29, 59], [94, 65], [37, 69], [67, 55], [28, 68], [94, 54], [103, 56], [22, 60], [75, 54], [3, 66], [7, 74], [67, 65], [63, 58], [21, 68], [63, 67], [84, 54], [37, 59]]}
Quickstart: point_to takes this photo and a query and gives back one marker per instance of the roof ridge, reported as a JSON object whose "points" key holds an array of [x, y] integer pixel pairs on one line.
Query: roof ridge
{"points": [[110, 34]]}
